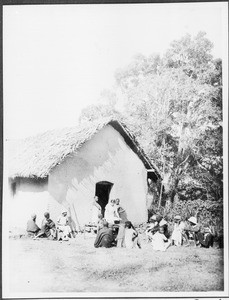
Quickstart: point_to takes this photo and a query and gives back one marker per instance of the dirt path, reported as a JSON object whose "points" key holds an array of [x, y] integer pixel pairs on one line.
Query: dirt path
{"points": [[51, 266]]}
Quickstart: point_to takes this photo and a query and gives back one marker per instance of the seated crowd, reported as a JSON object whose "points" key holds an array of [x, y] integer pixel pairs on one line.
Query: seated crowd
{"points": [[182, 232], [114, 229], [48, 228]]}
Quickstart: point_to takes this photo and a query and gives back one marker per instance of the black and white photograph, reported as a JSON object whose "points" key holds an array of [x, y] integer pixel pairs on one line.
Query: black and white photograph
{"points": [[115, 147]]}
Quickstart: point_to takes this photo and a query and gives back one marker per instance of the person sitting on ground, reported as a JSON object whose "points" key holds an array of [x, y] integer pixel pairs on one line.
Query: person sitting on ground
{"points": [[63, 225], [205, 237], [152, 227], [160, 241], [95, 210], [104, 237], [177, 234], [163, 223], [131, 238], [32, 228], [48, 228], [192, 230]]}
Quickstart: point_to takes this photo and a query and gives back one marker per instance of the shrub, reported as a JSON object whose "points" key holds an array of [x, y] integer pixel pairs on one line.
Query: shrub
{"points": [[208, 213]]}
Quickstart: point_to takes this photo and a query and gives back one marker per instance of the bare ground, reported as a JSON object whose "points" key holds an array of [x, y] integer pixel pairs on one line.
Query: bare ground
{"points": [[51, 266]]}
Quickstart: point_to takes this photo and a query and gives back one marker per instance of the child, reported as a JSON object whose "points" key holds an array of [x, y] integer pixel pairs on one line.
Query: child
{"points": [[177, 234], [131, 236], [152, 228], [100, 222], [121, 235], [160, 241]]}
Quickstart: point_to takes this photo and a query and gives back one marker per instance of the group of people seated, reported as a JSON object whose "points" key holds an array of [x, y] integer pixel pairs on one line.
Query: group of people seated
{"points": [[158, 234], [107, 236], [60, 230], [114, 229]]}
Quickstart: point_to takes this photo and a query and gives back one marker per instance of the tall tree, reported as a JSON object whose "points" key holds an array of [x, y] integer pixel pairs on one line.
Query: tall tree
{"points": [[173, 105]]}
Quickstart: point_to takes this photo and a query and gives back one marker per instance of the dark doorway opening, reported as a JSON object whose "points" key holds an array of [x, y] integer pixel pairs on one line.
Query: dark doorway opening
{"points": [[102, 190]]}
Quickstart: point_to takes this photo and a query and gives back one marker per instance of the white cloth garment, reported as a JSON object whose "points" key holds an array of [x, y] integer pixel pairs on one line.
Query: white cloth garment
{"points": [[177, 233], [160, 242]]}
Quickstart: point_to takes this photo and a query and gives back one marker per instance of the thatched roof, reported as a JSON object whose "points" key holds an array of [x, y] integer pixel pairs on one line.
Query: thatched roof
{"points": [[36, 156]]}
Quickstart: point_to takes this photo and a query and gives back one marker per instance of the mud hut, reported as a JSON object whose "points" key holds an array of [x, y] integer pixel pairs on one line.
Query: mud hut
{"points": [[68, 167]]}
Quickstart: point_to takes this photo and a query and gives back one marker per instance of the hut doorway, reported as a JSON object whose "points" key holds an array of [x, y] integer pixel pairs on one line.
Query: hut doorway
{"points": [[102, 190]]}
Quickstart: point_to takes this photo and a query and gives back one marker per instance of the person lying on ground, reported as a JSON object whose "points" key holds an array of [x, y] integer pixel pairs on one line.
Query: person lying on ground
{"points": [[32, 228], [178, 229], [205, 237], [104, 237], [48, 228], [152, 228], [131, 238], [160, 241], [63, 226], [192, 230]]}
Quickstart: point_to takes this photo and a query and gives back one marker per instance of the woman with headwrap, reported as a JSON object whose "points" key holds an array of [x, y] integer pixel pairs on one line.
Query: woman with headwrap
{"points": [[32, 228], [104, 237]]}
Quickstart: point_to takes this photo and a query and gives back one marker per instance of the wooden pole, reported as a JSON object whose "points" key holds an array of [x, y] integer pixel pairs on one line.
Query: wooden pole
{"points": [[159, 203], [77, 221]]}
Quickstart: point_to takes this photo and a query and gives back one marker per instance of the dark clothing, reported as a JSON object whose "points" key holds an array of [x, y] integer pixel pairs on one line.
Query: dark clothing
{"points": [[154, 229], [166, 231], [220, 240], [206, 240], [192, 230], [46, 225], [122, 214], [32, 228], [104, 238]]}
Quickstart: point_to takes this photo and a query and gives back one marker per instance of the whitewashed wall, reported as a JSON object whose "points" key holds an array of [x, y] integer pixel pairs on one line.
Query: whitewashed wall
{"points": [[106, 157], [29, 198]]}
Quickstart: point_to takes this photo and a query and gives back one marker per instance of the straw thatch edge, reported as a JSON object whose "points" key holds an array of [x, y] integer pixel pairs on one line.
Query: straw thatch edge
{"points": [[36, 156]]}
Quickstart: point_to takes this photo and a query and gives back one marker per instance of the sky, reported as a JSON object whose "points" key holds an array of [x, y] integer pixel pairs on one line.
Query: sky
{"points": [[57, 59]]}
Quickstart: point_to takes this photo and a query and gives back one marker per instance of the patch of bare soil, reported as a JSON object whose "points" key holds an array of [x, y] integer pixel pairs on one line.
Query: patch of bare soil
{"points": [[76, 266]]}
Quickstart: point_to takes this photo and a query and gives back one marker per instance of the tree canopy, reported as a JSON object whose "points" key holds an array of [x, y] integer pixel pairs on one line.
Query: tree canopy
{"points": [[173, 104]]}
